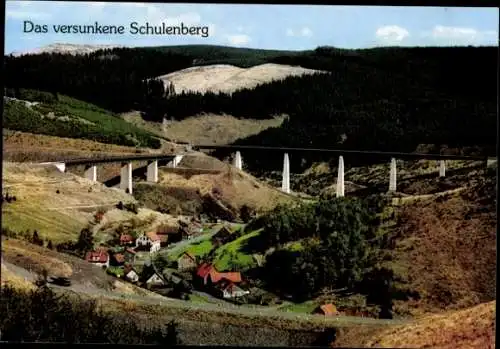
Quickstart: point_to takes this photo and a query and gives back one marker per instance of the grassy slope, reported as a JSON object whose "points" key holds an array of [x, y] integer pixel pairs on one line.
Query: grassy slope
{"points": [[472, 328], [22, 146], [39, 207], [206, 129], [233, 254], [69, 117]]}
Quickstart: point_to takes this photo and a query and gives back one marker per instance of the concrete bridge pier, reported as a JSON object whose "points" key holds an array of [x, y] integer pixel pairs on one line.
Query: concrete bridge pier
{"points": [[238, 163], [91, 172], [442, 168], [392, 176], [152, 172], [285, 186], [340, 178], [61, 166], [177, 160], [126, 177]]}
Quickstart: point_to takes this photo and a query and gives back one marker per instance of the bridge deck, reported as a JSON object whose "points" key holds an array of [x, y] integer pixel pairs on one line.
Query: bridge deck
{"points": [[358, 153]]}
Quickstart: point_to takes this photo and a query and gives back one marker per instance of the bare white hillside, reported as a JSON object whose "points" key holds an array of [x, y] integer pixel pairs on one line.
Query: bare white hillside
{"points": [[229, 78]]}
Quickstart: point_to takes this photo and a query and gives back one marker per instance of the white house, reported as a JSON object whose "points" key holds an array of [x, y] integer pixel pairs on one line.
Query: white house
{"points": [[142, 240], [131, 275], [149, 239], [233, 291], [155, 280]]}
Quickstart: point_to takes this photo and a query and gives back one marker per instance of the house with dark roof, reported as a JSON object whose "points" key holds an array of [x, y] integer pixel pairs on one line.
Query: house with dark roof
{"points": [[229, 290], [186, 262], [155, 280], [129, 254], [118, 259], [130, 273], [223, 236]]}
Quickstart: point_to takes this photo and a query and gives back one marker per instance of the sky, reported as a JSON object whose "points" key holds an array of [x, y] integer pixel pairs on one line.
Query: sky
{"points": [[283, 27]]}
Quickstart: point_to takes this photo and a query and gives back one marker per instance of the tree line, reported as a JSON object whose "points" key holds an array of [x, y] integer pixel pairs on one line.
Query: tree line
{"points": [[117, 79], [339, 245]]}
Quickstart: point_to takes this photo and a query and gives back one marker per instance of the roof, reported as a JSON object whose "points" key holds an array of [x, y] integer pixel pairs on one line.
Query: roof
{"points": [[128, 268], [224, 230], [231, 276], [328, 309], [158, 275], [152, 236], [119, 258], [189, 255], [207, 269], [98, 257], [126, 238], [204, 270], [168, 229], [130, 250]]}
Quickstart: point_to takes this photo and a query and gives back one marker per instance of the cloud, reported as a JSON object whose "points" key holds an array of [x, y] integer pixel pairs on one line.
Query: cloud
{"points": [[391, 34], [238, 39], [305, 32], [461, 34]]}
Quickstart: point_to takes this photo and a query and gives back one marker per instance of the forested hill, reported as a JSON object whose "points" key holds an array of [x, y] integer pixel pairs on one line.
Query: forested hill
{"points": [[381, 98]]}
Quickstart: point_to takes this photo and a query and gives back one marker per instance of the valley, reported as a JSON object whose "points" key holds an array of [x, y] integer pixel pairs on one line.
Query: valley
{"points": [[213, 245]]}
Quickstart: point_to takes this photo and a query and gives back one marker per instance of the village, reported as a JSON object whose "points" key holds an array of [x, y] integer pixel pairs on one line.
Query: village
{"points": [[133, 259]]}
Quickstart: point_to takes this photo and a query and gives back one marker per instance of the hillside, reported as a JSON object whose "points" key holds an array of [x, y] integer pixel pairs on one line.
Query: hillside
{"points": [[415, 95], [58, 115], [228, 78], [206, 128], [472, 328], [63, 48], [444, 247], [59, 205], [201, 180]]}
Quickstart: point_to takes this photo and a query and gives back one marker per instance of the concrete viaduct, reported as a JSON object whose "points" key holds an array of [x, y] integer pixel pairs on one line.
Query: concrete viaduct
{"points": [[174, 160]]}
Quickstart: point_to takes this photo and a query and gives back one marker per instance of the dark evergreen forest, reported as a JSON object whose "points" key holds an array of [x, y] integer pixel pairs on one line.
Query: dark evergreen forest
{"points": [[378, 99]]}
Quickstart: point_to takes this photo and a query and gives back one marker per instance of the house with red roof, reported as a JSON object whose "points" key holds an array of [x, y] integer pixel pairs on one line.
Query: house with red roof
{"points": [[208, 275], [126, 239], [326, 309], [100, 258]]}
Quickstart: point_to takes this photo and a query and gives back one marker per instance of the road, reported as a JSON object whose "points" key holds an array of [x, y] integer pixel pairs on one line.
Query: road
{"points": [[253, 311]]}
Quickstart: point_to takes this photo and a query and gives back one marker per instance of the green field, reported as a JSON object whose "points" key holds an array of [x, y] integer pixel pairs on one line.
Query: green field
{"points": [[232, 256]]}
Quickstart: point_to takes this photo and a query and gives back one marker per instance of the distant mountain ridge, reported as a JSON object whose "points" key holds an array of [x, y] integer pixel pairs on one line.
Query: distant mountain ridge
{"points": [[75, 49]]}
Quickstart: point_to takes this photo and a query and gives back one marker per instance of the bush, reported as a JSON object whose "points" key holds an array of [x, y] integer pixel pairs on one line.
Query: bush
{"points": [[41, 315], [131, 207]]}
